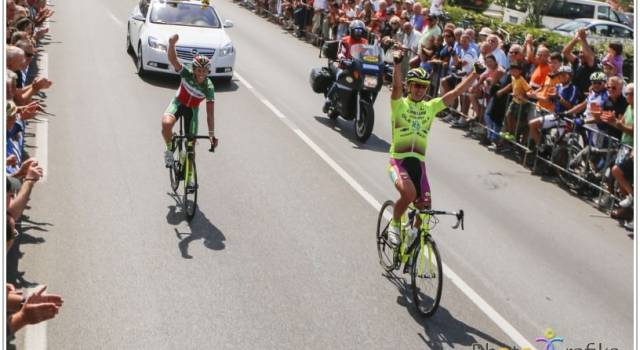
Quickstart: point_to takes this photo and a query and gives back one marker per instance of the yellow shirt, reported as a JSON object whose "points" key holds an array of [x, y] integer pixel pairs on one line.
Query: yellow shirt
{"points": [[519, 87]]}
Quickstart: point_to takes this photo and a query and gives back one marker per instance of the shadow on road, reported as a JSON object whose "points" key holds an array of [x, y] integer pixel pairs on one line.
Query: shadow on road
{"points": [[442, 327], [201, 228], [345, 128], [14, 275]]}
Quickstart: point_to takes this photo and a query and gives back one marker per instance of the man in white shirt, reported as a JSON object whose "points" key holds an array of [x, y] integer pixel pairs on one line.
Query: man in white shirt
{"points": [[410, 40], [497, 51]]}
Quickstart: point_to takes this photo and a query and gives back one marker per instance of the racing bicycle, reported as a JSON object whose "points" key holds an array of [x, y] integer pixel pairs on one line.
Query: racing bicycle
{"points": [[421, 257], [184, 168]]}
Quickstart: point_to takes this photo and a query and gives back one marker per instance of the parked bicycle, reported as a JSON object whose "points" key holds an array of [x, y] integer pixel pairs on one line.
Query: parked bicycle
{"points": [[589, 156], [421, 257], [184, 169]]}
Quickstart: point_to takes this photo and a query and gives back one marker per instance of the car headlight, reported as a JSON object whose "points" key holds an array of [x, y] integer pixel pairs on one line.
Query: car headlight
{"points": [[157, 45], [227, 50]]}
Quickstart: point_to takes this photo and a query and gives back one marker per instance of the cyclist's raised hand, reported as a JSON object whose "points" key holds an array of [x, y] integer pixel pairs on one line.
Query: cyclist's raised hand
{"points": [[173, 39]]}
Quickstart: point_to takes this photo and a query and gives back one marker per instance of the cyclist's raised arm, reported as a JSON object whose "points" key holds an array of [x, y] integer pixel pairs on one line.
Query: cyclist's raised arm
{"points": [[452, 95], [171, 53]]}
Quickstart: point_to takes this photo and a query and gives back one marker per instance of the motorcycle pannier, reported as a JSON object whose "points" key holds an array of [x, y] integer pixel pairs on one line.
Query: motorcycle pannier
{"points": [[320, 79], [330, 49]]}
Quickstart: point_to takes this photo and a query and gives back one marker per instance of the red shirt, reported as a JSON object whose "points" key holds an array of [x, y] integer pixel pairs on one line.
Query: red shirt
{"points": [[345, 45]]}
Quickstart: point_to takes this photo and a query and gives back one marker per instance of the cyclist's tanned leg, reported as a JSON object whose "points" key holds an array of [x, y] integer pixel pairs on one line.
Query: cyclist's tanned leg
{"points": [[167, 127], [407, 195]]}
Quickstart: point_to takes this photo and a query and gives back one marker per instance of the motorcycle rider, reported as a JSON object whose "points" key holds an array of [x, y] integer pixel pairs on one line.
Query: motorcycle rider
{"points": [[357, 31]]}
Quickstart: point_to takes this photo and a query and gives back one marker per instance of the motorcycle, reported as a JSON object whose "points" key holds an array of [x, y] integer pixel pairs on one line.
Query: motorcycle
{"points": [[356, 88]]}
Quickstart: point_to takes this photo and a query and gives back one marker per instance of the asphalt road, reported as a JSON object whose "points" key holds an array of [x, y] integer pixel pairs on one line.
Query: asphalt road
{"points": [[281, 254]]}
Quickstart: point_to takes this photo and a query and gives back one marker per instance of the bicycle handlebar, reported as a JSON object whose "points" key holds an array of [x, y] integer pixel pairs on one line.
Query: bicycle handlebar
{"points": [[459, 216], [193, 137]]}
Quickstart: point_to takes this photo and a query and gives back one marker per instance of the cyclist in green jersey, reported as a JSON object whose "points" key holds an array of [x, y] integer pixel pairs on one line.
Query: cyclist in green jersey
{"points": [[194, 88], [411, 119]]}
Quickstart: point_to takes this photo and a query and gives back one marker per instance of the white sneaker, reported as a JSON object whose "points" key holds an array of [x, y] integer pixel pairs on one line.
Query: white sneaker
{"points": [[168, 158], [627, 201], [393, 235]]}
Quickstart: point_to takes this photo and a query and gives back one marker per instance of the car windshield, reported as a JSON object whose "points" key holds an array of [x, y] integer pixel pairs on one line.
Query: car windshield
{"points": [[367, 53], [571, 26], [184, 14]]}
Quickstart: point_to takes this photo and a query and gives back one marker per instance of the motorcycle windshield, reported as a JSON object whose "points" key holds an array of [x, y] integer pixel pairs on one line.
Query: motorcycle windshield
{"points": [[367, 53]]}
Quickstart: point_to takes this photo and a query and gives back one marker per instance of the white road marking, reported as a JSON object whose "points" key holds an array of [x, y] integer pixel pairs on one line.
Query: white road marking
{"points": [[42, 127], [35, 335], [43, 64], [489, 311], [42, 150], [115, 19]]}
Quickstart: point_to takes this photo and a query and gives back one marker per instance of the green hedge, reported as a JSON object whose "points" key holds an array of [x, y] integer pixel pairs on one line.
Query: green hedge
{"points": [[518, 32]]}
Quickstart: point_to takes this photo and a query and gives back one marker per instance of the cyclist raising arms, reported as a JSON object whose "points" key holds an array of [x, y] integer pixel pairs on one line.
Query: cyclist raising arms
{"points": [[411, 119], [194, 88]]}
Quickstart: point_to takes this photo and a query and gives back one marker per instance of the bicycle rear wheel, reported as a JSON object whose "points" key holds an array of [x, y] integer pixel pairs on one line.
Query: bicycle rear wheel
{"points": [[426, 278], [387, 254], [174, 170], [576, 164], [190, 198]]}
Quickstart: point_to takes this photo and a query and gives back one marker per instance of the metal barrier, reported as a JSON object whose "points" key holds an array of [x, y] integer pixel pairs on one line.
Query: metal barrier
{"points": [[610, 151]]}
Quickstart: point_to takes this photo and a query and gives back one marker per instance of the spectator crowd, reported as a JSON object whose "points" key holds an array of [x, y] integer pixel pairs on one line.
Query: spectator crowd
{"points": [[525, 90], [27, 26]]}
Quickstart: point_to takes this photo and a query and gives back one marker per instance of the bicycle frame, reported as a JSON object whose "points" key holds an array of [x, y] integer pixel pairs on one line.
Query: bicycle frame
{"points": [[189, 148], [424, 234]]}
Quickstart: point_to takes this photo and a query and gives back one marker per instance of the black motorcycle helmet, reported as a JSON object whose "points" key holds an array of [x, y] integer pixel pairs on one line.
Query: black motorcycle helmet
{"points": [[357, 29]]}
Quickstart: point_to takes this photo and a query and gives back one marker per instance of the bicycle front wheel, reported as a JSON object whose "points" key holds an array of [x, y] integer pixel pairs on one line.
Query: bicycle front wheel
{"points": [[426, 278], [174, 170], [190, 199], [387, 254]]}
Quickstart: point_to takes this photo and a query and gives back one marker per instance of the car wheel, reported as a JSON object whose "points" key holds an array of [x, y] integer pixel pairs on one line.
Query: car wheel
{"points": [[129, 46], [139, 61]]}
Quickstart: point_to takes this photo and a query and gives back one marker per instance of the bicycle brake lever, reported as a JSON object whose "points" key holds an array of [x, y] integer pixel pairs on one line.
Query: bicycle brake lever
{"points": [[460, 222], [212, 149]]}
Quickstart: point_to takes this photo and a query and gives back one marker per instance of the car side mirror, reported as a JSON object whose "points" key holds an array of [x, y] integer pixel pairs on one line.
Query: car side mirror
{"points": [[228, 24], [139, 17]]}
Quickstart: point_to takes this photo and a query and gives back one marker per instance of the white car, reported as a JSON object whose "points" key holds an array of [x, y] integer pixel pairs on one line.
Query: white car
{"points": [[598, 30], [198, 26]]}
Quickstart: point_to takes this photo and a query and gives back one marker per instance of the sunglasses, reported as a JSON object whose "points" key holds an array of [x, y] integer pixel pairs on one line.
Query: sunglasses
{"points": [[419, 86], [597, 82]]}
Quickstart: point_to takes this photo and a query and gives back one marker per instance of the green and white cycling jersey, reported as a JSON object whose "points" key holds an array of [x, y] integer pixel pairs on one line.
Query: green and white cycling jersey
{"points": [[410, 125], [190, 93]]}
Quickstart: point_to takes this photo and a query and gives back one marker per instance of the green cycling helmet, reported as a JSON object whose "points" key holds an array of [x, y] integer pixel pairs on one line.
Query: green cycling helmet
{"points": [[598, 76], [418, 76], [200, 61]]}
